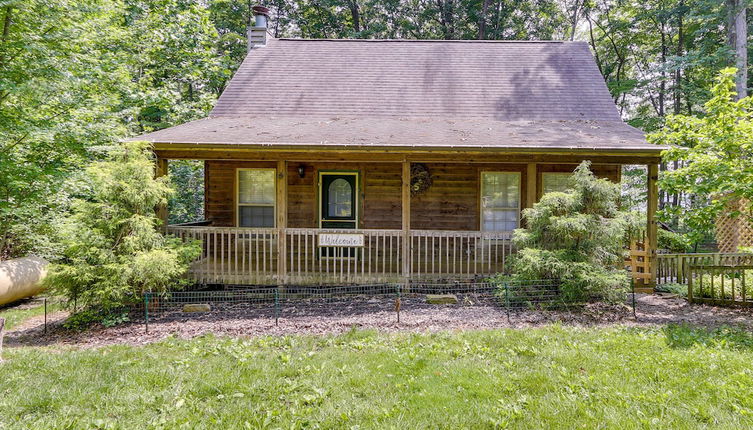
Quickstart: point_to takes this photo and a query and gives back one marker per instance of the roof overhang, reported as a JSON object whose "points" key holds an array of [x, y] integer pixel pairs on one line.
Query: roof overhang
{"points": [[404, 136]]}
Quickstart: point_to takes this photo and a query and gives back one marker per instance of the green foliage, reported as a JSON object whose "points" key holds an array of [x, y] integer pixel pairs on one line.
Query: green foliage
{"points": [[113, 251], [673, 242], [51, 105], [552, 377], [79, 75], [710, 285], [86, 318], [187, 203], [577, 238], [679, 289], [715, 151]]}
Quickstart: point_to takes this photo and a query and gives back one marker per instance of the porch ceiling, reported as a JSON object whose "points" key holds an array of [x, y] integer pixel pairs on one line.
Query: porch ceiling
{"points": [[424, 133]]}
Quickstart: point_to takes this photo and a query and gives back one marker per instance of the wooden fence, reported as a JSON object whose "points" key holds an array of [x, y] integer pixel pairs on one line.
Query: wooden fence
{"points": [[293, 256], [674, 268], [720, 285]]}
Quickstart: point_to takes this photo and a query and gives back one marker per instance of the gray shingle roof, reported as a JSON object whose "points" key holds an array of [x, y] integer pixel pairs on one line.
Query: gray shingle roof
{"points": [[415, 93], [406, 132]]}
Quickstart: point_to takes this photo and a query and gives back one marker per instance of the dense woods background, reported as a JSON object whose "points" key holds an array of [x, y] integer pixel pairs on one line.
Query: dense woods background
{"points": [[77, 75]]}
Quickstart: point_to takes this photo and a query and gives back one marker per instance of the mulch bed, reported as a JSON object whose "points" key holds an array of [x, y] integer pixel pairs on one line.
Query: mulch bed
{"points": [[320, 317]]}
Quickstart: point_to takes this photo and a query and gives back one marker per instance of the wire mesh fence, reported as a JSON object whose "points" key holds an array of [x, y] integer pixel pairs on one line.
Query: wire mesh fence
{"points": [[388, 299]]}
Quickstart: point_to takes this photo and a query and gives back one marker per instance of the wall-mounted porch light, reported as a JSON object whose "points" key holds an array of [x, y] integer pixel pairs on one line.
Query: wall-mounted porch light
{"points": [[301, 171]]}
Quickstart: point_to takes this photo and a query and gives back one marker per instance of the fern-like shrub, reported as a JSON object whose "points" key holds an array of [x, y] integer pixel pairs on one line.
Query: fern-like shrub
{"points": [[113, 248], [577, 238]]}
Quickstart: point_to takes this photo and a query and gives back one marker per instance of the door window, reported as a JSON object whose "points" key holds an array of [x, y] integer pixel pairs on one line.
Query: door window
{"points": [[340, 199]]}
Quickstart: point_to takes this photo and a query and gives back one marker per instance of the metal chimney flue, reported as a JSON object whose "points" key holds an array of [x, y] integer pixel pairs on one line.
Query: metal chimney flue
{"points": [[257, 33]]}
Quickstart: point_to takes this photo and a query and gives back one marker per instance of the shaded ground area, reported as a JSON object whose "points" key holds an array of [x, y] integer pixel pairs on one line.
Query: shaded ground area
{"points": [[332, 317]]}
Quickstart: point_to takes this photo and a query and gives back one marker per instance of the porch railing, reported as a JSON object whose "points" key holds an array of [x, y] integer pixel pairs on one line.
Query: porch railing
{"points": [[675, 268], [251, 256]]}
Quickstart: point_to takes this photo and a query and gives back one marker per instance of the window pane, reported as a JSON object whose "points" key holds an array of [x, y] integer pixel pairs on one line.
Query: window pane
{"points": [[559, 182], [500, 201], [339, 199], [256, 186], [500, 190], [500, 219], [256, 216]]}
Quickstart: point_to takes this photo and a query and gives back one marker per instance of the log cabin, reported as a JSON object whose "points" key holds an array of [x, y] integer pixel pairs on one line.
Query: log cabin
{"points": [[370, 161]]}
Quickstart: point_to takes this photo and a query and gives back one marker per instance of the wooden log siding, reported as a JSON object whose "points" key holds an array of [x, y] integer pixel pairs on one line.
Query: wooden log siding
{"points": [[250, 256], [451, 203]]}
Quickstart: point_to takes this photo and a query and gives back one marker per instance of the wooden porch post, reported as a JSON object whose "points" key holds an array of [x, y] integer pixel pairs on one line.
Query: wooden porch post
{"points": [[651, 235], [282, 220], [531, 184], [406, 222], [160, 170]]}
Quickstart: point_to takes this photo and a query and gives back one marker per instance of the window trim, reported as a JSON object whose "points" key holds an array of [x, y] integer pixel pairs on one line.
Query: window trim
{"points": [[543, 191], [238, 203], [481, 197]]}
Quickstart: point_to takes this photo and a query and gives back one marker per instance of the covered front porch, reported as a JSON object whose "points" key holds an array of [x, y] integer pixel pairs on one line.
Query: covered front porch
{"points": [[296, 256], [355, 220]]}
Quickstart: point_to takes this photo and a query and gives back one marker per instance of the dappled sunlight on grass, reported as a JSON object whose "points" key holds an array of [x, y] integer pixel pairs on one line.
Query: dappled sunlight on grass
{"points": [[551, 377], [687, 336]]}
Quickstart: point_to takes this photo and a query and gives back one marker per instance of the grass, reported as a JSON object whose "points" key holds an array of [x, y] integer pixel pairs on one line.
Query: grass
{"points": [[15, 315], [552, 377]]}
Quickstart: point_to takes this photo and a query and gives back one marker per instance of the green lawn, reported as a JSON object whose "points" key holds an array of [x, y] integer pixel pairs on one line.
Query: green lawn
{"points": [[553, 377]]}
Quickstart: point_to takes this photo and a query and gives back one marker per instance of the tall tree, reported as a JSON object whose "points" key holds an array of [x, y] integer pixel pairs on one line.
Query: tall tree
{"points": [[737, 38]]}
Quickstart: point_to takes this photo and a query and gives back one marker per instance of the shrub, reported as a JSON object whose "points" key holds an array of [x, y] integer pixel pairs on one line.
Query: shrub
{"points": [[679, 289], [113, 250], [577, 238], [673, 242]]}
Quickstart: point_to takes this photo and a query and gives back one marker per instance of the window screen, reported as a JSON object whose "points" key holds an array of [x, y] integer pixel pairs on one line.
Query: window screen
{"points": [[559, 182], [500, 201], [256, 198]]}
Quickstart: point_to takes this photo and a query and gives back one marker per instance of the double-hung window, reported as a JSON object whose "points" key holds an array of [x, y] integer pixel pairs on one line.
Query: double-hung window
{"points": [[559, 182], [256, 197], [500, 201]]}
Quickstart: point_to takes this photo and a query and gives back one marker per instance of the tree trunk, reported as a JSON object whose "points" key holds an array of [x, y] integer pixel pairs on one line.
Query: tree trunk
{"points": [[447, 18], [355, 14], [679, 53], [737, 35], [6, 30], [482, 20], [593, 43], [576, 10], [663, 83]]}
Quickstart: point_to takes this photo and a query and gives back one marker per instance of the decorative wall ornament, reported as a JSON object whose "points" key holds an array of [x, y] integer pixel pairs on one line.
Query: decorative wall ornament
{"points": [[420, 179]]}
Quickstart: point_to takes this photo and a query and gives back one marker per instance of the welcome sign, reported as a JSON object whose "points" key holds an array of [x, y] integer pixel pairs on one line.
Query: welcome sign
{"points": [[341, 239]]}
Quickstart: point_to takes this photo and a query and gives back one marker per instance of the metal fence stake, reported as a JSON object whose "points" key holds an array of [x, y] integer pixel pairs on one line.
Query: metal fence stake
{"points": [[277, 306], [632, 285], [507, 301], [146, 311], [397, 302]]}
